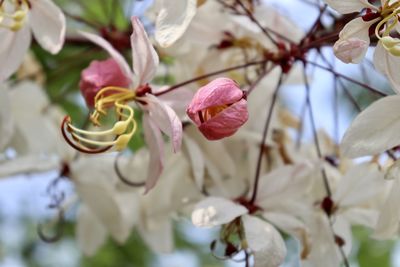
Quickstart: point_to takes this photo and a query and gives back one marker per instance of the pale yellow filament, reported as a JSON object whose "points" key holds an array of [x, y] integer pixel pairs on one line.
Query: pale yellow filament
{"points": [[118, 97]]}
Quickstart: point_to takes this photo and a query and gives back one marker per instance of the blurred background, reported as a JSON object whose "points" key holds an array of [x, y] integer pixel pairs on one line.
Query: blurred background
{"points": [[23, 199]]}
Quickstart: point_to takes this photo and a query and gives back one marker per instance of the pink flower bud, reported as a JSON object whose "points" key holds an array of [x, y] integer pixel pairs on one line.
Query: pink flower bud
{"points": [[218, 109], [101, 74], [350, 50]]}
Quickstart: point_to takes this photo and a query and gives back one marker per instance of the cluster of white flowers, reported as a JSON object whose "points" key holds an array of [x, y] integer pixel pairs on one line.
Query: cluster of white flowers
{"points": [[254, 180]]}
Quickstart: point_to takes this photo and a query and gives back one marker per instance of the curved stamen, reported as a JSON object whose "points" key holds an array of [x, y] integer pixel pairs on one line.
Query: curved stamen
{"points": [[122, 177], [66, 120], [104, 99]]}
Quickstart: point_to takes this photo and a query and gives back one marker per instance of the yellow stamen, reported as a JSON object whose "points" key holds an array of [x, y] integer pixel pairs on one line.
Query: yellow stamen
{"points": [[16, 20], [390, 13], [123, 129]]}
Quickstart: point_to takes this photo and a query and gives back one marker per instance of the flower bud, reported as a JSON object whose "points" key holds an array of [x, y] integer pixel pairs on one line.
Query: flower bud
{"points": [[350, 50], [218, 109], [98, 75]]}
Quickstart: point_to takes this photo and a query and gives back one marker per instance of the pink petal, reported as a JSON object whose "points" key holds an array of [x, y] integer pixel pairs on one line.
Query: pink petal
{"points": [[101, 74], [166, 119], [154, 141], [350, 50], [227, 122], [219, 92], [145, 58], [111, 50]]}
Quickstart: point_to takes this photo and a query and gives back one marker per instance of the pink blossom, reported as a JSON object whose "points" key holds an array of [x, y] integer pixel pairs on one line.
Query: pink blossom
{"points": [[218, 109], [350, 50], [101, 74]]}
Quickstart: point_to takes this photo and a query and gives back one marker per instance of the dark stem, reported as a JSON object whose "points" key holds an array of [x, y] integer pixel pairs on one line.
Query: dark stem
{"points": [[253, 19], [264, 136], [314, 130], [366, 86], [198, 78], [259, 79], [122, 177]]}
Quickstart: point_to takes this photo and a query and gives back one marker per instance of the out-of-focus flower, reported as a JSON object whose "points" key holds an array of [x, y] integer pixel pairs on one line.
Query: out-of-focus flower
{"points": [[29, 125], [17, 20], [107, 207], [354, 201], [289, 183], [101, 74], [173, 20], [219, 109]]}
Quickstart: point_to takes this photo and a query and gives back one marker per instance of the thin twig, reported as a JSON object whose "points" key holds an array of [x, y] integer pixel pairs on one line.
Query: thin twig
{"points": [[264, 136]]}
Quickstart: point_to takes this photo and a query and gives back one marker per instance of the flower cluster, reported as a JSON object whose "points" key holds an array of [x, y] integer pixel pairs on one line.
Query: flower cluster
{"points": [[217, 84]]}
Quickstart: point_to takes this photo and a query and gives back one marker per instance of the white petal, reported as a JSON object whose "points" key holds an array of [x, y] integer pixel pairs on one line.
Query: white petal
{"points": [[362, 216], [111, 50], [13, 48], [360, 184], [178, 100], [291, 225], [6, 120], [265, 242], [95, 180], [154, 141], [166, 119], [324, 250], [90, 233], [159, 237], [389, 65], [342, 229], [388, 222], [394, 171], [28, 164], [173, 20], [48, 25], [287, 181], [214, 211], [349, 6], [375, 129], [36, 131], [196, 159], [145, 58]]}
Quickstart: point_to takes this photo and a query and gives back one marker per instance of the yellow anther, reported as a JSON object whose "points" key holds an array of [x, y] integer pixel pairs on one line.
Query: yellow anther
{"points": [[123, 129], [14, 18], [120, 127], [122, 141], [389, 42], [19, 15], [16, 26]]}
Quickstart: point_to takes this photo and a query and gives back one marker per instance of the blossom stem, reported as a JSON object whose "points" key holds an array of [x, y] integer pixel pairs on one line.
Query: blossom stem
{"points": [[198, 78], [366, 86], [319, 154], [345, 89], [253, 19], [259, 79], [264, 136], [314, 130]]}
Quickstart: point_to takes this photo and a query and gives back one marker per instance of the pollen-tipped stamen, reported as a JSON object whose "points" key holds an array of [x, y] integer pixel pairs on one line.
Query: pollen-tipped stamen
{"points": [[16, 20], [392, 45], [82, 139]]}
